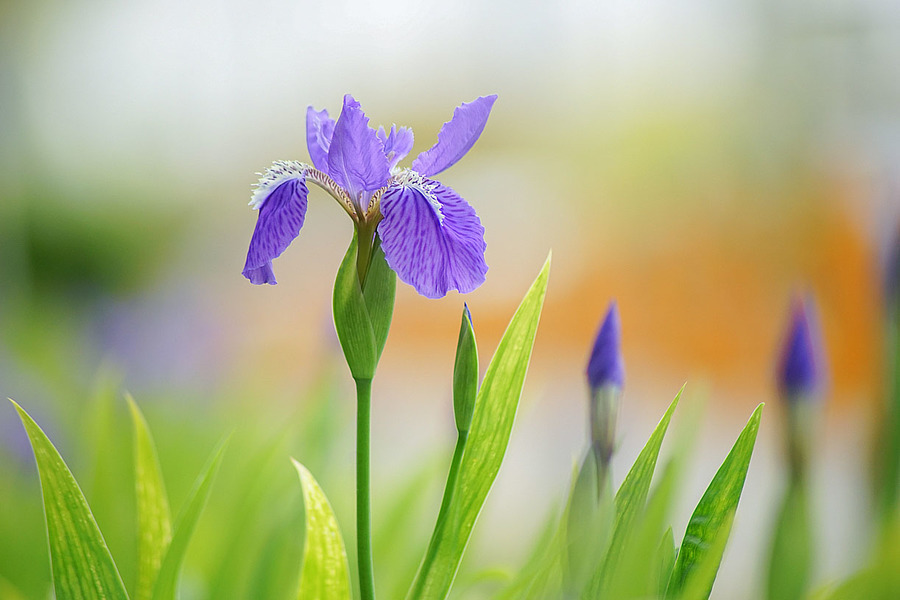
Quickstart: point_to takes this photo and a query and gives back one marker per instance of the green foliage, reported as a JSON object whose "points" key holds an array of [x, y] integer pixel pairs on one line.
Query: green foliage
{"points": [[81, 563], [167, 580], [154, 521], [666, 555], [589, 521], [325, 574], [495, 409], [790, 562], [82, 566], [630, 502], [707, 531]]}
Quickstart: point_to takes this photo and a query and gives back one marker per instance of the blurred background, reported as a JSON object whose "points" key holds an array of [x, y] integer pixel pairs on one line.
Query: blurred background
{"points": [[700, 162]]}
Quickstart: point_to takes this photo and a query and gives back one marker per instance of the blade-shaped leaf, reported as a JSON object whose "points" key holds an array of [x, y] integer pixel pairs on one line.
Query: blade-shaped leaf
{"points": [[631, 500], [632, 495], [707, 531], [699, 585], [82, 566], [665, 554], [167, 581], [325, 574], [589, 521], [154, 521], [637, 570], [495, 410]]}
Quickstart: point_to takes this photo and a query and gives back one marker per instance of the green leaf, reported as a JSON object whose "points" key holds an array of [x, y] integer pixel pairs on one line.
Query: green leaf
{"points": [[351, 318], [707, 532], [665, 555], [631, 499], [495, 410], [81, 563], [699, 585], [790, 563], [379, 293], [167, 581], [465, 373], [590, 518], [325, 574], [637, 571], [154, 521], [9, 592]]}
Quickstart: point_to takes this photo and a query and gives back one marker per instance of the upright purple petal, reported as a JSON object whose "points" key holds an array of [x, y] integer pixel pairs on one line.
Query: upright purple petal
{"points": [[456, 136], [798, 369], [319, 131], [432, 238], [356, 159], [605, 366], [281, 216], [397, 143]]}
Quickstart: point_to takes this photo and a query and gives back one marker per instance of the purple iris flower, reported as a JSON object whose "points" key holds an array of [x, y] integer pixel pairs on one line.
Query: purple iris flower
{"points": [[430, 236]]}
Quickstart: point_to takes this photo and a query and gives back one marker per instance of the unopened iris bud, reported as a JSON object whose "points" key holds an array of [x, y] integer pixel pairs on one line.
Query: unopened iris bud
{"points": [[799, 376], [606, 376], [465, 373], [892, 278], [799, 373], [605, 365]]}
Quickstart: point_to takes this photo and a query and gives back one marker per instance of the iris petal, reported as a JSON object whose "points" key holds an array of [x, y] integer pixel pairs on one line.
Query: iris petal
{"points": [[456, 137], [432, 238], [356, 158], [281, 216], [397, 143], [319, 131]]}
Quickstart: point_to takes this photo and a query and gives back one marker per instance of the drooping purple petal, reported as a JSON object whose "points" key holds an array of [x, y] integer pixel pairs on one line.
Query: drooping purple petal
{"points": [[319, 131], [356, 159], [456, 136], [397, 143], [432, 238], [605, 366], [799, 373], [281, 216]]}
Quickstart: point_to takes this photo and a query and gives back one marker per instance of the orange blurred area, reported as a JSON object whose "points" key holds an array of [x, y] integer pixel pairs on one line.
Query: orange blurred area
{"points": [[710, 296]]}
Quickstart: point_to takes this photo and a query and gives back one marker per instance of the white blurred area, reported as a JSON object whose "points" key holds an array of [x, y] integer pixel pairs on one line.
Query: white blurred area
{"points": [[603, 107]]}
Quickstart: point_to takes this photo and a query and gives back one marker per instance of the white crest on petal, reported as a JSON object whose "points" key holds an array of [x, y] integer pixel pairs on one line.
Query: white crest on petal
{"points": [[278, 173], [407, 178]]}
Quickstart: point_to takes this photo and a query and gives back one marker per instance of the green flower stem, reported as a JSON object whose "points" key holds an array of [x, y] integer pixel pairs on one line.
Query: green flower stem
{"points": [[890, 434], [431, 553], [363, 504]]}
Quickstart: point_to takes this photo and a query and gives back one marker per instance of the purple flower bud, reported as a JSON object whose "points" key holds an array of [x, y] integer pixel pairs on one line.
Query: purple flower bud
{"points": [[892, 277], [605, 365], [799, 372]]}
